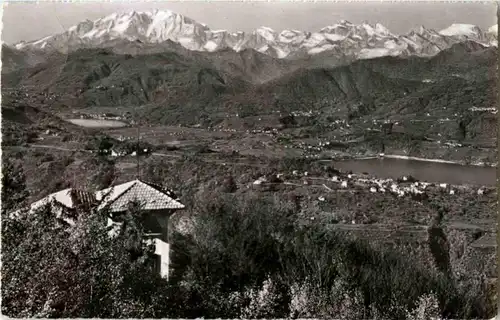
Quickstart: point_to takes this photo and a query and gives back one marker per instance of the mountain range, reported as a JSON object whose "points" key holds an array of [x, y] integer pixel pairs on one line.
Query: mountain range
{"points": [[341, 40], [167, 84], [144, 63]]}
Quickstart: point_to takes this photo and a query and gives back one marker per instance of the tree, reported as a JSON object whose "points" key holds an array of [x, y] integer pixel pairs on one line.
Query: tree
{"points": [[464, 121], [105, 175], [243, 257], [229, 185], [231, 252], [104, 145], [50, 269], [14, 191], [387, 128], [288, 121]]}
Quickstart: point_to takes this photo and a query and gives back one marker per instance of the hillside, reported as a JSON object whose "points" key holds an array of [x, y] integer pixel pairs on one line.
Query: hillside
{"points": [[247, 64], [467, 59], [102, 78], [182, 87]]}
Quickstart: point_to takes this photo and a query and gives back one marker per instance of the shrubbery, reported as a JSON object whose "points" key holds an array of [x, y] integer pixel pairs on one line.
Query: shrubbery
{"points": [[242, 256], [240, 247], [52, 270]]}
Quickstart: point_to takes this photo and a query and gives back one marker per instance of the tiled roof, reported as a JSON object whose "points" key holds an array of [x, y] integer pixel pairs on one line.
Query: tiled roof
{"points": [[117, 198], [82, 198], [63, 197], [67, 198], [151, 197]]}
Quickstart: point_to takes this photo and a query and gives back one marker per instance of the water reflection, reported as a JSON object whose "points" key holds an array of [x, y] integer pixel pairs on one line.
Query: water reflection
{"points": [[422, 170]]}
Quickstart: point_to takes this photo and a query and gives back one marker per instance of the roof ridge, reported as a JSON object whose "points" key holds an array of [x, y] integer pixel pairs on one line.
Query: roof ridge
{"points": [[165, 192], [120, 194], [153, 185], [153, 189], [162, 189], [111, 199]]}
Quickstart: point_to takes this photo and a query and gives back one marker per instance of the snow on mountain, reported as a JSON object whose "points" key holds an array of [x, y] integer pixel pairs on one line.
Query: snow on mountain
{"points": [[345, 38], [493, 29], [380, 29], [461, 29], [294, 37], [491, 35], [326, 47], [266, 33], [368, 29], [374, 53]]}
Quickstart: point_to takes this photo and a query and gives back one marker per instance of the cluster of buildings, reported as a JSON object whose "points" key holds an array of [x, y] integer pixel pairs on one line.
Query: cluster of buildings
{"points": [[98, 116]]}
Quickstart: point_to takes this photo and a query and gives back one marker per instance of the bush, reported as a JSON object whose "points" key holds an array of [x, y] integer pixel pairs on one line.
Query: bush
{"points": [[14, 191], [230, 260], [427, 308], [50, 269], [239, 246], [229, 185], [241, 257]]}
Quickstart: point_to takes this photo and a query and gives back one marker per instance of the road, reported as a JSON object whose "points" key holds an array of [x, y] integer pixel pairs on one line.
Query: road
{"points": [[155, 154]]}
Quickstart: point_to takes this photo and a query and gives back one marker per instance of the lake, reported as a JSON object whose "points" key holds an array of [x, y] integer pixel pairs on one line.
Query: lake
{"points": [[421, 170], [96, 123]]}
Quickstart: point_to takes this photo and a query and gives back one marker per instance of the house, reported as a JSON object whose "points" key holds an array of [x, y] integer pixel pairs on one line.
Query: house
{"points": [[158, 204]]}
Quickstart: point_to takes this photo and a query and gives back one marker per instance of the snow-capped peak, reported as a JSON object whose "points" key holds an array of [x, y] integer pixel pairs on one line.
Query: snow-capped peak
{"points": [[344, 37], [419, 30], [461, 29], [493, 29], [377, 30], [381, 30], [266, 33]]}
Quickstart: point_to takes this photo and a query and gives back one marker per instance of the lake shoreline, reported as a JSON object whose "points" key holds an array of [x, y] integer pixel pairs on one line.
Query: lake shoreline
{"points": [[394, 156], [432, 170], [410, 158]]}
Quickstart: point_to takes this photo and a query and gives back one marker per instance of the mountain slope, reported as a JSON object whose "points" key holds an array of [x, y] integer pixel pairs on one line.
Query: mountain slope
{"points": [[467, 60], [13, 58], [186, 87], [93, 77]]}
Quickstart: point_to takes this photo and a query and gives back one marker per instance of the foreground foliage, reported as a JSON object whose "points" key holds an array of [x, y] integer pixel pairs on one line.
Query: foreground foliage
{"points": [[236, 257]]}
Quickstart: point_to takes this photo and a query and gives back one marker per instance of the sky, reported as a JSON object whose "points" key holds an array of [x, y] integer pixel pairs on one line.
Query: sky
{"points": [[31, 21]]}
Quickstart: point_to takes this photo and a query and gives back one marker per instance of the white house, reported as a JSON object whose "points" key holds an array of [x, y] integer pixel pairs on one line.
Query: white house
{"points": [[158, 203]]}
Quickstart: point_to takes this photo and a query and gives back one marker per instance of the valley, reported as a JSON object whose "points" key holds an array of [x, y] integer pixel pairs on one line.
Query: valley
{"points": [[325, 117], [379, 147]]}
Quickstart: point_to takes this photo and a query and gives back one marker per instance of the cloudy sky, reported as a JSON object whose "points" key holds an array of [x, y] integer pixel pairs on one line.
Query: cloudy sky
{"points": [[31, 21]]}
